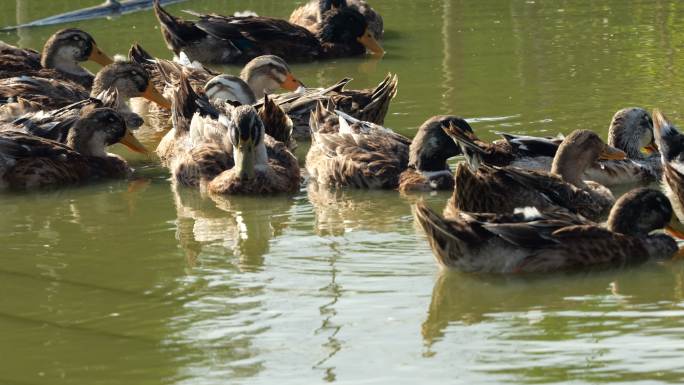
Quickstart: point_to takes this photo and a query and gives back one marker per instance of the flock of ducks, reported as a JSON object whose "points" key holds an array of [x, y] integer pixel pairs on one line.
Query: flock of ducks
{"points": [[519, 204]]}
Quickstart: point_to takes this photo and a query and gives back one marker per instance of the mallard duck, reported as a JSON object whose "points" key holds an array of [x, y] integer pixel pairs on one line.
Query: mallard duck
{"points": [[502, 189], [205, 148], [671, 145], [369, 105], [262, 75], [346, 152], [530, 241], [631, 129], [311, 14], [224, 39], [62, 53], [56, 124], [129, 79], [29, 161]]}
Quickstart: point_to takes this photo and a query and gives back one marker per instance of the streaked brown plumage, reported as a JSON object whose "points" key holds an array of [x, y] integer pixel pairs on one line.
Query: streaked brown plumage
{"points": [[530, 241], [224, 39], [310, 14], [28, 161], [60, 59], [349, 153], [671, 145], [502, 189]]}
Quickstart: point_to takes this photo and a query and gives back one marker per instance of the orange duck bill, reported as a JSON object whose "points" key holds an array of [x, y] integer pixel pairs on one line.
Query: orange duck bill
{"points": [[612, 153], [99, 57], [291, 83], [368, 41], [153, 95], [129, 140]]}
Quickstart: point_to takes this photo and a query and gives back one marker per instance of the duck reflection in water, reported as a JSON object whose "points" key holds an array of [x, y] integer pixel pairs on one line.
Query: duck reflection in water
{"points": [[561, 305], [244, 226]]}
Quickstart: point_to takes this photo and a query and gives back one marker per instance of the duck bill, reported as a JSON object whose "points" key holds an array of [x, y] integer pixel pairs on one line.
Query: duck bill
{"points": [[612, 153], [651, 148], [99, 57], [368, 41], [675, 227], [291, 83], [129, 140], [153, 95]]}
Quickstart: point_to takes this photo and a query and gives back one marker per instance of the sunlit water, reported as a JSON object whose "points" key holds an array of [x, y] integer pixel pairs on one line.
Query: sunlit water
{"points": [[138, 283]]}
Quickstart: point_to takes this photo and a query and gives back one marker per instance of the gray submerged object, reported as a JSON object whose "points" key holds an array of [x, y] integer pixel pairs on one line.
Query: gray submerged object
{"points": [[108, 8]]}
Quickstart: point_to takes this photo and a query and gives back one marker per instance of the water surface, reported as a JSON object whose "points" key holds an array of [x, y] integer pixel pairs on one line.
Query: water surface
{"points": [[142, 283]]}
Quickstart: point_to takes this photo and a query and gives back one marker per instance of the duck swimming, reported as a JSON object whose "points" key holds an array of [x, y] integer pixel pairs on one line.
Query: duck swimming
{"points": [[216, 39], [530, 241], [28, 161], [61, 57], [631, 129], [346, 152], [311, 14], [503, 189]]}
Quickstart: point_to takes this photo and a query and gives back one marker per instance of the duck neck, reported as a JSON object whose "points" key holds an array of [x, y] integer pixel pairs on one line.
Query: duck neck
{"points": [[62, 59], [569, 167], [248, 159]]}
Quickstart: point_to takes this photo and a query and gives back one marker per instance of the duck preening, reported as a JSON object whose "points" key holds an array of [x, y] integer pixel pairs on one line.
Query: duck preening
{"points": [[530, 240], [503, 189], [346, 152], [342, 32], [311, 14]]}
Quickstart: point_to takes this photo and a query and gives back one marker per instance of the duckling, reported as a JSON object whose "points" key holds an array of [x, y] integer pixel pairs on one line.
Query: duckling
{"points": [[502, 189], [311, 14], [62, 54], [28, 161], [216, 39], [346, 152], [630, 130], [533, 242], [129, 79], [671, 144]]}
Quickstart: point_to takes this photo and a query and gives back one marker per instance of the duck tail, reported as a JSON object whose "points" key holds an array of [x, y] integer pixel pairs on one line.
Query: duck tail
{"points": [[184, 106], [138, 55], [382, 95], [276, 122], [174, 28], [444, 235]]}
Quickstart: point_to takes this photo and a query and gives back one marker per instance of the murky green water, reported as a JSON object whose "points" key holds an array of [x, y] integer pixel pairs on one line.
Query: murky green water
{"points": [[135, 283]]}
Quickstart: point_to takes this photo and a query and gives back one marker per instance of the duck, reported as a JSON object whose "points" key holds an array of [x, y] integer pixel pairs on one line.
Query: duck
{"points": [[216, 39], [530, 241], [346, 152], [56, 124], [207, 142], [631, 130], [671, 144], [502, 189], [263, 75], [30, 162], [311, 14], [61, 57], [369, 105], [128, 78]]}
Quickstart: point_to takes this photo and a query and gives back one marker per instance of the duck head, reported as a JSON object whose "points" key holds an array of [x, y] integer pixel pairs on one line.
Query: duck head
{"points": [[98, 128], [267, 73], [431, 147], [246, 132], [68, 47], [631, 129], [131, 80], [639, 212], [347, 26], [229, 88], [578, 152]]}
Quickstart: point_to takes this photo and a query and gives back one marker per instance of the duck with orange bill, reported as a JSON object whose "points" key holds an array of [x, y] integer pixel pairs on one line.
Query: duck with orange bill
{"points": [[61, 58], [533, 241], [216, 39], [29, 162]]}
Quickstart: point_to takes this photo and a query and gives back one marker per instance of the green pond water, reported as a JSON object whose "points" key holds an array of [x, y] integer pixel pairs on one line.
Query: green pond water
{"points": [[133, 282]]}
